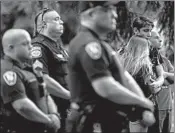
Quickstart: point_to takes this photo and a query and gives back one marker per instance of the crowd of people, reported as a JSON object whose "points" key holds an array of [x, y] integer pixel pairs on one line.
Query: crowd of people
{"points": [[91, 87]]}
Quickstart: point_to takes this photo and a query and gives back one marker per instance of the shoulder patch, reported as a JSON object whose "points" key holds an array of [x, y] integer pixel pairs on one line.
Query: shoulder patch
{"points": [[36, 52], [94, 50], [10, 78]]}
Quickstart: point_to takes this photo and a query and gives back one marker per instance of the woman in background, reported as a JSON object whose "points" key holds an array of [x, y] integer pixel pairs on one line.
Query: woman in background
{"points": [[137, 62]]}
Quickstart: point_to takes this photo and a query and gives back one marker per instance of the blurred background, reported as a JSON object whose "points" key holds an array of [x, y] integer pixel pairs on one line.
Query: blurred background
{"points": [[21, 15], [17, 14]]}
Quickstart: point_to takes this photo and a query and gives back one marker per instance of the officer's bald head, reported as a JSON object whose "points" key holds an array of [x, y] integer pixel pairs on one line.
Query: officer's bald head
{"points": [[50, 15], [14, 37]]}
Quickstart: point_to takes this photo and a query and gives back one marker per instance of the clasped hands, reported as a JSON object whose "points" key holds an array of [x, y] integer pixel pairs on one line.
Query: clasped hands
{"points": [[55, 123]]}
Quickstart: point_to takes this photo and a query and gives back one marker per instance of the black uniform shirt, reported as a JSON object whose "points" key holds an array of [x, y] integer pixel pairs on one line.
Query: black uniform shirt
{"points": [[88, 60], [12, 87], [53, 57], [17, 83]]}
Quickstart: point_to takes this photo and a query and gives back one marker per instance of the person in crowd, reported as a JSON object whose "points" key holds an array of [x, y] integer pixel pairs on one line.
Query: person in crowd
{"points": [[48, 49], [98, 84], [29, 107], [138, 64], [142, 28], [164, 97]]}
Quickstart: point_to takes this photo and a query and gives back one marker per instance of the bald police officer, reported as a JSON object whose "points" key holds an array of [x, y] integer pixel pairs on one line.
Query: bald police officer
{"points": [[48, 50], [48, 29], [96, 78], [22, 91]]}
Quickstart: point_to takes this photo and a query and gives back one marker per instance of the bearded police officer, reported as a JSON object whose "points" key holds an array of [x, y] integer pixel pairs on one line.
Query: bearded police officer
{"points": [[48, 50], [29, 108], [98, 84]]}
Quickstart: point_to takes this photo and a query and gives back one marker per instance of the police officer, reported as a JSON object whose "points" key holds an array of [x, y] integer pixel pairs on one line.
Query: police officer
{"points": [[28, 105], [97, 86], [49, 51]]}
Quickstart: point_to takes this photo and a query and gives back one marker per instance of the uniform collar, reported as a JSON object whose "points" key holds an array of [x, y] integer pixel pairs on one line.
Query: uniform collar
{"points": [[45, 37], [52, 42], [20, 65], [91, 31], [94, 34]]}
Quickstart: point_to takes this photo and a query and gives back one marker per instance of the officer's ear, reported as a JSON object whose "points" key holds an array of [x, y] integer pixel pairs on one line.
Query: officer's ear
{"points": [[11, 46], [91, 12]]}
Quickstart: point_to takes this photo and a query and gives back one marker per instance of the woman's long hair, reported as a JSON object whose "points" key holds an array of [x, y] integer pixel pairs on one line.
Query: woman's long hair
{"points": [[136, 58]]}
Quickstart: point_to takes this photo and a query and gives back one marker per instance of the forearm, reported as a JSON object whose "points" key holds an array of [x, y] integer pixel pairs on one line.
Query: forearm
{"points": [[51, 105], [160, 71], [55, 88], [132, 85], [30, 111], [166, 82], [112, 90], [169, 76], [121, 95]]}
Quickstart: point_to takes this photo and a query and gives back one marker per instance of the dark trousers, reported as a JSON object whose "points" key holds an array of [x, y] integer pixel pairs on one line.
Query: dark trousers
{"points": [[25, 127], [104, 121], [63, 106], [104, 125]]}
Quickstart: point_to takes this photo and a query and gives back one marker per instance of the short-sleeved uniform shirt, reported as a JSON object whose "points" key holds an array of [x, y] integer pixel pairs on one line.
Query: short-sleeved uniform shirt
{"points": [[53, 57], [12, 87], [88, 61], [16, 84]]}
